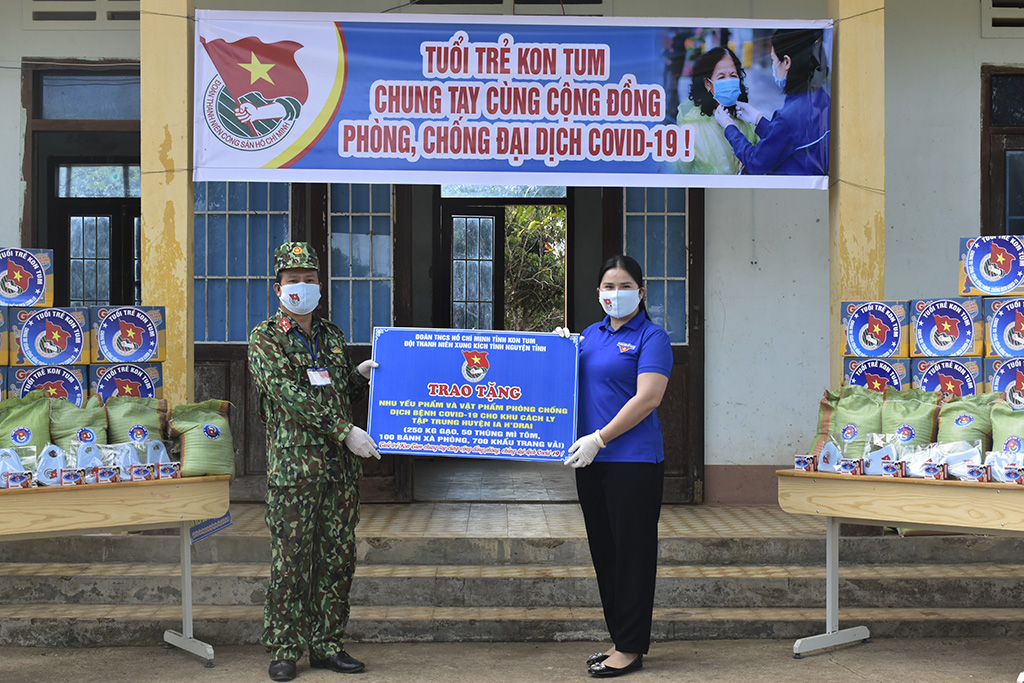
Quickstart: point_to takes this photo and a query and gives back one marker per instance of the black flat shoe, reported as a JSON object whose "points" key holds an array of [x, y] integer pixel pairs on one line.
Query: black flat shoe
{"points": [[596, 658], [602, 670], [282, 670], [342, 662]]}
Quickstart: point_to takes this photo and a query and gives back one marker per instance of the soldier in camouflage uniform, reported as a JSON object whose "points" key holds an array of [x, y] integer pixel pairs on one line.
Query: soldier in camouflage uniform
{"points": [[307, 386]]}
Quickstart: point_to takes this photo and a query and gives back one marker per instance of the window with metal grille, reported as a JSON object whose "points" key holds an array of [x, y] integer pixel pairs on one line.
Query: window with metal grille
{"points": [[360, 268], [472, 272], [656, 234], [237, 228]]}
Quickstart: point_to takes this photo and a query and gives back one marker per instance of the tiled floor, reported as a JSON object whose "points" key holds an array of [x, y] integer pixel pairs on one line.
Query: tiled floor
{"points": [[478, 479], [549, 520]]}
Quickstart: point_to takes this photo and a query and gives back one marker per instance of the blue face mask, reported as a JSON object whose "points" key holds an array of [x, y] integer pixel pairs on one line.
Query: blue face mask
{"points": [[727, 91], [781, 82]]}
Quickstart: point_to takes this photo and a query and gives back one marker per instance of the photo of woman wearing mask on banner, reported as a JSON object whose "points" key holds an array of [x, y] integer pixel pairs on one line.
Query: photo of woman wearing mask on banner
{"points": [[716, 80], [795, 140], [624, 365]]}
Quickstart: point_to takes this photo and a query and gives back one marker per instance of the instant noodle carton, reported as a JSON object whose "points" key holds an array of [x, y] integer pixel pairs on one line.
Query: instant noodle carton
{"points": [[55, 381], [128, 334], [877, 373], [49, 336], [1004, 327], [991, 266], [954, 326], [956, 376], [26, 277], [145, 380], [5, 339], [875, 329], [1005, 375]]}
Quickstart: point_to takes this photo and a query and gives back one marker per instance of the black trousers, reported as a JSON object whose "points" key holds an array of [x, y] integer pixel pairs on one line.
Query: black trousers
{"points": [[621, 504]]}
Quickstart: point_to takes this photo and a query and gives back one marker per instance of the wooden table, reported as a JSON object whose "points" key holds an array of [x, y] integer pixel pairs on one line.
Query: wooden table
{"points": [[129, 506], [958, 506]]}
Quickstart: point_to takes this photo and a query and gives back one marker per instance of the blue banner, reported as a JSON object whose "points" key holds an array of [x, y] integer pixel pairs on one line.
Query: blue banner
{"points": [[308, 97], [474, 393]]}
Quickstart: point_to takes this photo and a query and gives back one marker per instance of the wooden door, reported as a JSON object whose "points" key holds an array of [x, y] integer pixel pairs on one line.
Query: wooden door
{"points": [[682, 410]]}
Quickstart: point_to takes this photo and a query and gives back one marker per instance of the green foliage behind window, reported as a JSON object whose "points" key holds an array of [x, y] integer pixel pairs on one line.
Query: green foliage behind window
{"points": [[534, 267]]}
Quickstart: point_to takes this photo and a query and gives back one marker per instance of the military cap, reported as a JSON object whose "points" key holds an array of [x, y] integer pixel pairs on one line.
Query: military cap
{"points": [[295, 255]]}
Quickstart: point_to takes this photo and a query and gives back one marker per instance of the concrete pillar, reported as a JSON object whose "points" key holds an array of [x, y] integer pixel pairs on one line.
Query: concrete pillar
{"points": [[857, 176], [165, 32]]}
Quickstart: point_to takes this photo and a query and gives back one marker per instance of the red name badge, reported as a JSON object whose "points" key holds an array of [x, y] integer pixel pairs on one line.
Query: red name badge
{"points": [[319, 376]]}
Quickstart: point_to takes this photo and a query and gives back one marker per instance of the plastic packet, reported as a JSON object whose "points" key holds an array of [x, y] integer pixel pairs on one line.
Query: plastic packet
{"points": [[49, 465]]}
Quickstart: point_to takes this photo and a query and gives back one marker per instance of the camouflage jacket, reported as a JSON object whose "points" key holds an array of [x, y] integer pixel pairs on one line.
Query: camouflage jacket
{"points": [[306, 424]]}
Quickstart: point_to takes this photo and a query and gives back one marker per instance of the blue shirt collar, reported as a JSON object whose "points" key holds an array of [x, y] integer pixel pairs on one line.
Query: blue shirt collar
{"points": [[634, 323]]}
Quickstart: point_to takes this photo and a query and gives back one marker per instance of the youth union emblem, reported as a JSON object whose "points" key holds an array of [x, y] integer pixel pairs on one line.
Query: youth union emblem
{"points": [[475, 366], [253, 101]]}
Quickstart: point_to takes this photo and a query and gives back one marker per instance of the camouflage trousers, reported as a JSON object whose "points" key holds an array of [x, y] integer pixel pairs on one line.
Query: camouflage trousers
{"points": [[313, 556]]}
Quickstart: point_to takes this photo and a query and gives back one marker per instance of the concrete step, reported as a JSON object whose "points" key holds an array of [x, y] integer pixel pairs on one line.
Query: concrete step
{"points": [[524, 586], [114, 625], [569, 551]]}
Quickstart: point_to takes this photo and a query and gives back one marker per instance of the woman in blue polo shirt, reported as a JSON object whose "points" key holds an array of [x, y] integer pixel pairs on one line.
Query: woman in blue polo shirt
{"points": [[624, 365]]}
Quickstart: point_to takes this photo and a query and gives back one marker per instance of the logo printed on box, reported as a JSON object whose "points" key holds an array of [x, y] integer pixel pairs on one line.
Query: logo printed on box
{"points": [[1008, 377], [126, 335], [948, 376], [994, 263], [1006, 329], [22, 277], [54, 381], [51, 336], [875, 374], [873, 330], [944, 327], [124, 379]]}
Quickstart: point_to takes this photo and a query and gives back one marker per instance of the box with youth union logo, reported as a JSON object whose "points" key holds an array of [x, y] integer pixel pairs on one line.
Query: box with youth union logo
{"points": [[128, 334], [49, 336], [141, 380]]}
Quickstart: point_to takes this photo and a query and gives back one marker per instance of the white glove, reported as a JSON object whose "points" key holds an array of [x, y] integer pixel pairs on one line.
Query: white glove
{"points": [[365, 367], [360, 443], [583, 450], [747, 113], [562, 332], [722, 117]]}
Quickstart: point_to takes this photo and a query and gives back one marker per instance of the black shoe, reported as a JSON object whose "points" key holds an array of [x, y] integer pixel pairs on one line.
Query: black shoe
{"points": [[342, 662], [282, 670], [596, 658], [602, 670]]}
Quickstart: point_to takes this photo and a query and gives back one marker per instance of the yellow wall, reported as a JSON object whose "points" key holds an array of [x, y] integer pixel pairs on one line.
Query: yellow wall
{"points": [[857, 193], [167, 242]]}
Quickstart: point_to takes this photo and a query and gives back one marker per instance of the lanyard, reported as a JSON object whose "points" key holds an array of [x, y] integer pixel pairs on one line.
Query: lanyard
{"points": [[312, 352]]}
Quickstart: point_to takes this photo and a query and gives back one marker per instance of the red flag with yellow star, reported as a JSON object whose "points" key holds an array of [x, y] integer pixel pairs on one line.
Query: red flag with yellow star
{"points": [[54, 389], [250, 65], [126, 387], [1019, 384], [875, 382], [476, 359], [17, 275], [877, 329], [129, 332], [947, 325], [950, 385], [1000, 257], [57, 335]]}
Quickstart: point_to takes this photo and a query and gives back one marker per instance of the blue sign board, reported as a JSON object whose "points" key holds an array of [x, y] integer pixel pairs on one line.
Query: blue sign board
{"points": [[474, 393]]}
